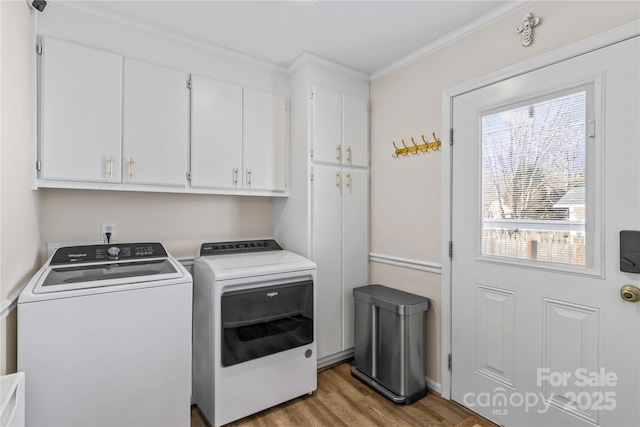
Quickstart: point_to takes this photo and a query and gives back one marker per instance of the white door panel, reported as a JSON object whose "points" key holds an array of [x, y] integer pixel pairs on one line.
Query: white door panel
{"points": [[156, 124], [327, 126], [355, 244], [327, 254], [216, 134], [518, 328], [264, 141], [355, 126], [81, 113]]}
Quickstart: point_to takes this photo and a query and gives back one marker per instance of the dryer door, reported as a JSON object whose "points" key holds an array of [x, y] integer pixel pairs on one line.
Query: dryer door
{"points": [[266, 320]]}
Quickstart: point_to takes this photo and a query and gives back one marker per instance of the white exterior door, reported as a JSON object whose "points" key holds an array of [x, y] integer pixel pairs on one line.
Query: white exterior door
{"points": [[216, 134], [264, 141], [540, 334], [81, 114], [156, 124]]}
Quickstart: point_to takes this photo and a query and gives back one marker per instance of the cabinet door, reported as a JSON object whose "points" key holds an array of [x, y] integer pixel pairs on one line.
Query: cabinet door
{"points": [[216, 134], [264, 141], [327, 254], [156, 124], [327, 126], [355, 245], [81, 113], [355, 135]]}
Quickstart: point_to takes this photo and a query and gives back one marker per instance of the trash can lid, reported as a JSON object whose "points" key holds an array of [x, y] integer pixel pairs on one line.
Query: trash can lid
{"points": [[391, 299]]}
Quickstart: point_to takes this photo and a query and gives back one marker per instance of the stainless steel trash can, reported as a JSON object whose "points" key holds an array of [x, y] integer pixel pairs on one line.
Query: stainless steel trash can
{"points": [[389, 342]]}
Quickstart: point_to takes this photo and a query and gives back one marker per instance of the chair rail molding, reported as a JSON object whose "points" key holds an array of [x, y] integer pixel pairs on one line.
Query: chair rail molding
{"points": [[413, 264]]}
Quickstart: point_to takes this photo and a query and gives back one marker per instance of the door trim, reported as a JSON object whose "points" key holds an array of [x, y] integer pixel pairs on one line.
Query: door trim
{"points": [[576, 49]]}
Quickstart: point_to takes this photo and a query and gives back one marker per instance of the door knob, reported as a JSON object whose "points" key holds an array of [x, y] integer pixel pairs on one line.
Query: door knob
{"points": [[630, 293]]}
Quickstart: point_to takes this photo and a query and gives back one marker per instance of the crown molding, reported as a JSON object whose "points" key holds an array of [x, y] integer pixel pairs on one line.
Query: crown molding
{"points": [[311, 58], [166, 35], [449, 38]]}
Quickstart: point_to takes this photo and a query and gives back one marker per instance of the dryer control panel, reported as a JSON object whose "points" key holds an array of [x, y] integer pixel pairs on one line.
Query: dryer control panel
{"points": [[116, 251], [223, 248]]}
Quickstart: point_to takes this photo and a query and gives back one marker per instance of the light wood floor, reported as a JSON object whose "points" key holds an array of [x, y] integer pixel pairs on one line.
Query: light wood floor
{"points": [[342, 400]]}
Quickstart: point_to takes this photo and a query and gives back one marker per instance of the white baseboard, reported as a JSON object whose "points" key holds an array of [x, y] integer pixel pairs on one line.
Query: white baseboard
{"points": [[335, 358], [431, 384]]}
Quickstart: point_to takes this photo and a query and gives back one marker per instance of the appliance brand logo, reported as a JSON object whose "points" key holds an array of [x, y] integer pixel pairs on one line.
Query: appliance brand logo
{"points": [[272, 294], [77, 255]]}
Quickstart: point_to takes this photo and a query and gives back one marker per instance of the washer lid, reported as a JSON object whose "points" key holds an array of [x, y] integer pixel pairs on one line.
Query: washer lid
{"points": [[109, 271]]}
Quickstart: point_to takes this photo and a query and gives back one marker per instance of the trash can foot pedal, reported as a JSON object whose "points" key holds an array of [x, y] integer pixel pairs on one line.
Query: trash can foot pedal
{"points": [[395, 398]]}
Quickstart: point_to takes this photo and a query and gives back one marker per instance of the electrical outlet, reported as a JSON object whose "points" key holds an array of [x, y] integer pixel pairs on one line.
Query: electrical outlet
{"points": [[108, 227]]}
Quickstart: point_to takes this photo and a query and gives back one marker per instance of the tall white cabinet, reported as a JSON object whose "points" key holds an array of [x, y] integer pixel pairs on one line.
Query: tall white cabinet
{"points": [[326, 216]]}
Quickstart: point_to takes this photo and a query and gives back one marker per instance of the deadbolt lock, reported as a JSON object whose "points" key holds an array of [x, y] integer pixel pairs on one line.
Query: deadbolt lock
{"points": [[630, 293]]}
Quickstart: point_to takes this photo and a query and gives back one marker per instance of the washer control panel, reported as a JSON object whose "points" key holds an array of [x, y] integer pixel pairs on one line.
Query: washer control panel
{"points": [[111, 252], [245, 246]]}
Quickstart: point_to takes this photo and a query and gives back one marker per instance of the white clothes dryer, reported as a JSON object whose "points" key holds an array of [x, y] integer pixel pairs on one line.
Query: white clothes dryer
{"points": [[254, 328], [104, 338]]}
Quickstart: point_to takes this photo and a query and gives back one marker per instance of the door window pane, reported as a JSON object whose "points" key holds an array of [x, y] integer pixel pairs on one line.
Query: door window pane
{"points": [[534, 181]]}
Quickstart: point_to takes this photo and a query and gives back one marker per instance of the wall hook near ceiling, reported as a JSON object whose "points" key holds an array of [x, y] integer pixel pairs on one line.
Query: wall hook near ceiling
{"points": [[417, 148], [528, 23]]}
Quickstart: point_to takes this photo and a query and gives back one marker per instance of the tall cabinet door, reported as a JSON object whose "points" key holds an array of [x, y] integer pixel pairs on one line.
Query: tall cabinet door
{"points": [[355, 131], [355, 245], [216, 134], [327, 126], [264, 141], [156, 124], [327, 254], [81, 113]]}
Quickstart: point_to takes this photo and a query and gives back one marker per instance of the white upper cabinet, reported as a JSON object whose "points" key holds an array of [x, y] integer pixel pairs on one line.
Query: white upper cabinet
{"points": [[216, 134], [80, 113], [355, 131], [264, 129], [327, 126], [113, 122], [156, 124], [340, 128]]}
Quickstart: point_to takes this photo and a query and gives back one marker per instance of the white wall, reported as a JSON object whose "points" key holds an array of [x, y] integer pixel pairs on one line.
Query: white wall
{"points": [[180, 221], [19, 228], [406, 192]]}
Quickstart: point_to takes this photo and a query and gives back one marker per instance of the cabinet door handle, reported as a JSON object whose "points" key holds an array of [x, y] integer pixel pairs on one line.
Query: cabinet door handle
{"points": [[349, 179], [349, 154], [249, 177], [110, 167], [338, 179], [338, 151], [132, 165], [235, 179]]}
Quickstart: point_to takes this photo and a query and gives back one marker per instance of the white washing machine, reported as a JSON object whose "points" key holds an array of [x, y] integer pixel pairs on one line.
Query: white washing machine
{"points": [[254, 331], [104, 338]]}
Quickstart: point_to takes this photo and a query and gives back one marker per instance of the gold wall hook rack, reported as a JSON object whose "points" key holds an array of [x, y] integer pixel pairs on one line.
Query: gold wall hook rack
{"points": [[417, 148]]}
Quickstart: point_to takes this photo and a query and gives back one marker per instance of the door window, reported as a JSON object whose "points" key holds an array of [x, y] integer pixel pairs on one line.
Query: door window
{"points": [[537, 203]]}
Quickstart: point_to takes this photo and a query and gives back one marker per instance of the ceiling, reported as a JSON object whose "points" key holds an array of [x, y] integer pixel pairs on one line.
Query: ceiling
{"points": [[363, 35]]}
